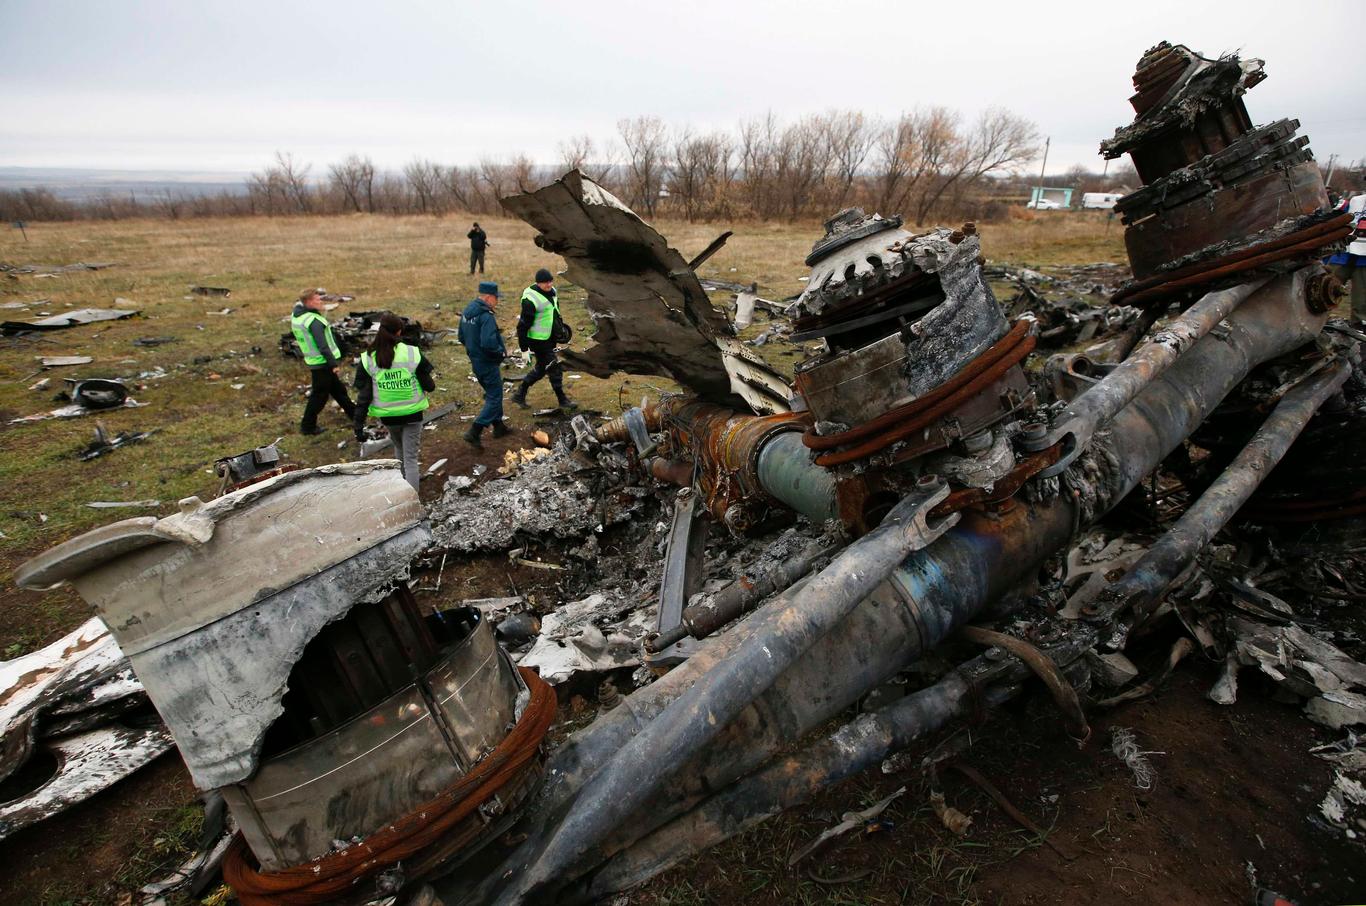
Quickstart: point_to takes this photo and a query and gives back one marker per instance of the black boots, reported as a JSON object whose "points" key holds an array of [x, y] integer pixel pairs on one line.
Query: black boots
{"points": [[567, 404], [472, 436], [500, 429], [519, 397]]}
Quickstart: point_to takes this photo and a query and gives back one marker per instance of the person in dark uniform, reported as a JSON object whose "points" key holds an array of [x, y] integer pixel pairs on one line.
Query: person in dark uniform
{"points": [[322, 355], [536, 333], [479, 240], [480, 336]]}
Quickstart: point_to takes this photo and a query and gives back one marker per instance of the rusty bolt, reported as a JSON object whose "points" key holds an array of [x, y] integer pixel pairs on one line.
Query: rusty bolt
{"points": [[928, 480], [1323, 292], [970, 228], [957, 236]]}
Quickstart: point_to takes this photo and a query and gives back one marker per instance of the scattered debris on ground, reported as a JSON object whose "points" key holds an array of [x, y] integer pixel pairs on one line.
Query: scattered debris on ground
{"points": [[64, 321]]}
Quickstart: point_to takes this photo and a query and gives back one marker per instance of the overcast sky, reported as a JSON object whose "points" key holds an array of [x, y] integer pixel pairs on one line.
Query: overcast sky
{"points": [[219, 86]]}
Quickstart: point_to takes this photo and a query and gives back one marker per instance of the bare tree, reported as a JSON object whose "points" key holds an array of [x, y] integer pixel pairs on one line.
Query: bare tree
{"points": [[424, 183], [645, 141], [757, 141], [354, 180], [801, 161], [294, 177], [999, 141], [850, 138]]}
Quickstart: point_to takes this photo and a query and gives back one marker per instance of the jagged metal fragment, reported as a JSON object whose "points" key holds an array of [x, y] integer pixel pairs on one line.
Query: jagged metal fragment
{"points": [[648, 306]]}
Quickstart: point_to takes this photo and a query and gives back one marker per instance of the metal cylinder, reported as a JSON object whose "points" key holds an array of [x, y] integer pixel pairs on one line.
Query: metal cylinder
{"points": [[1142, 586], [787, 472]]}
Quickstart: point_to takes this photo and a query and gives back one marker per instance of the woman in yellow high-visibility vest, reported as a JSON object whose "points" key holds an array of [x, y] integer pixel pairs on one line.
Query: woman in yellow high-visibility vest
{"points": [[392, 383]]}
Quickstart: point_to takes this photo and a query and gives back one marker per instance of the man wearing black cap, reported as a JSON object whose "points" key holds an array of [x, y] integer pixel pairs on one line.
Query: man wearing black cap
{"points": [[479, 241], [481, 339], [537, 327]]}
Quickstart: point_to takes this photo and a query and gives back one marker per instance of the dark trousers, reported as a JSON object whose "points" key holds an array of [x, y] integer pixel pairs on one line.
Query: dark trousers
{"points": [[477, 257], [547, 365], [490, 377], [325, 384], [1355, 278]]}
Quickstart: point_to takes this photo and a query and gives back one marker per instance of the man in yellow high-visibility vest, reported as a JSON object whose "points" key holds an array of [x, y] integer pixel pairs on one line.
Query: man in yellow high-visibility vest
{"points": [[536, 333], [322, 355]]}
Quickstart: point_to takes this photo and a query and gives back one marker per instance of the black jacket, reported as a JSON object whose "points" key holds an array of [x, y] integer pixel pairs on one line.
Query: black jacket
{"points": [[527, 317], [319, 333], [365, 395], [478, 239]]}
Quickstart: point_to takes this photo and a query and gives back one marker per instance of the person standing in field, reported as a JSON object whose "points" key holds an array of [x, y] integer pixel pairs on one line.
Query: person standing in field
{"points": [[484, 343], [537, 328], [1349, 265], [322, 355], [479, 241], [392, 383]]}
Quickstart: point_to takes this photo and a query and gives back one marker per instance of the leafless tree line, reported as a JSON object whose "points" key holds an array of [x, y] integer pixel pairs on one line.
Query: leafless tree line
{"points": [[927, 163]]}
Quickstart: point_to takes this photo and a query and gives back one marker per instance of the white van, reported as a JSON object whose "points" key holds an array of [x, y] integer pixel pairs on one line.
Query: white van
{"points": [[1095, 200]]}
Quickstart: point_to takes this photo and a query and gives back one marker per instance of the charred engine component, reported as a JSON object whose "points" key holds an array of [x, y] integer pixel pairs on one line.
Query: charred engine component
{"points": [[750, 469], [272, 631], [253, 465], [919, 360], [1220, 196], [97, 393]]}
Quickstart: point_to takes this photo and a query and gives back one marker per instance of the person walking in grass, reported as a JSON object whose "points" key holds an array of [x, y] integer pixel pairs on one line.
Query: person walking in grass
{"points": [[392, 383], [479, 240], [322, 355], [484, 343], [539, 328]]}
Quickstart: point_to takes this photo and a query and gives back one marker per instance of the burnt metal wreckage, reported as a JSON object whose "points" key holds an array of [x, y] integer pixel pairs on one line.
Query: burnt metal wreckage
{"points": [[919, 475]]}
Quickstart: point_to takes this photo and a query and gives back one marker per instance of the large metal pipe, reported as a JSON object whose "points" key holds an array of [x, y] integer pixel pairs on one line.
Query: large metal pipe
{"points": [[1142, 586], [1084, 415], [795, 779], [633, 774], [931, 593]]}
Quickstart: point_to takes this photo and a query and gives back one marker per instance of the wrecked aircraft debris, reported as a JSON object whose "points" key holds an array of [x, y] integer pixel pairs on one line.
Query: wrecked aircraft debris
{"points": [[916, 481], [66, 320], [651, 314]]}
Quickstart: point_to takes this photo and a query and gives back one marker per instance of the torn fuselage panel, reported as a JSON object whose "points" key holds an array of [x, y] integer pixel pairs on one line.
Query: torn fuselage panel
{"points": [[651, 314]]}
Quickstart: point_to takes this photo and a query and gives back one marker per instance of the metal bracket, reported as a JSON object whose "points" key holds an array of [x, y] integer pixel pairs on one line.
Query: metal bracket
{"points": [[684, 560], [911, 517], [639, 431]]}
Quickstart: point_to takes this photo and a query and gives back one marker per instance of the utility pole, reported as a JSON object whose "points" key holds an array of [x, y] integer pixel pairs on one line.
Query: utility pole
{"points": [[1046, 142], [1332, 161]]}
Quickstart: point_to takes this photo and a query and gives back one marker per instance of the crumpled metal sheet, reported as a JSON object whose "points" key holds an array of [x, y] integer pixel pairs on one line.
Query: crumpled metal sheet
{"points": [[648, 306], [66, 673], [588, 636], [86, 764], [67, 319]]}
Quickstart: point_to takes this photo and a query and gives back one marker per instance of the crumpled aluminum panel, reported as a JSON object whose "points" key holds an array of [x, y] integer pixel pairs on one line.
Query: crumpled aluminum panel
{"points": [[649, 309]]}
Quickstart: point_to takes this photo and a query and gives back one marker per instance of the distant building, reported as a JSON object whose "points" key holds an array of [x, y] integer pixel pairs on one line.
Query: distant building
{"points": [[1048, 198]]}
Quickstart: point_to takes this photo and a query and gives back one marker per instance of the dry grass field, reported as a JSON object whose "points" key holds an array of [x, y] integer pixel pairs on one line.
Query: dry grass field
{"points": [[227, 388]]}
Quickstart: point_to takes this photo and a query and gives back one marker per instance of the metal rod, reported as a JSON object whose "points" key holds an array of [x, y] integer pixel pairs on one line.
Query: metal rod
{"points": [[799, 777], [1099, 404], [1141, 588], [712, 611]]}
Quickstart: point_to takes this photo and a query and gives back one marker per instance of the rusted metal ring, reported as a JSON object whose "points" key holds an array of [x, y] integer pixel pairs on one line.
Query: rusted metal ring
{"points": [[1279, 249]]}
